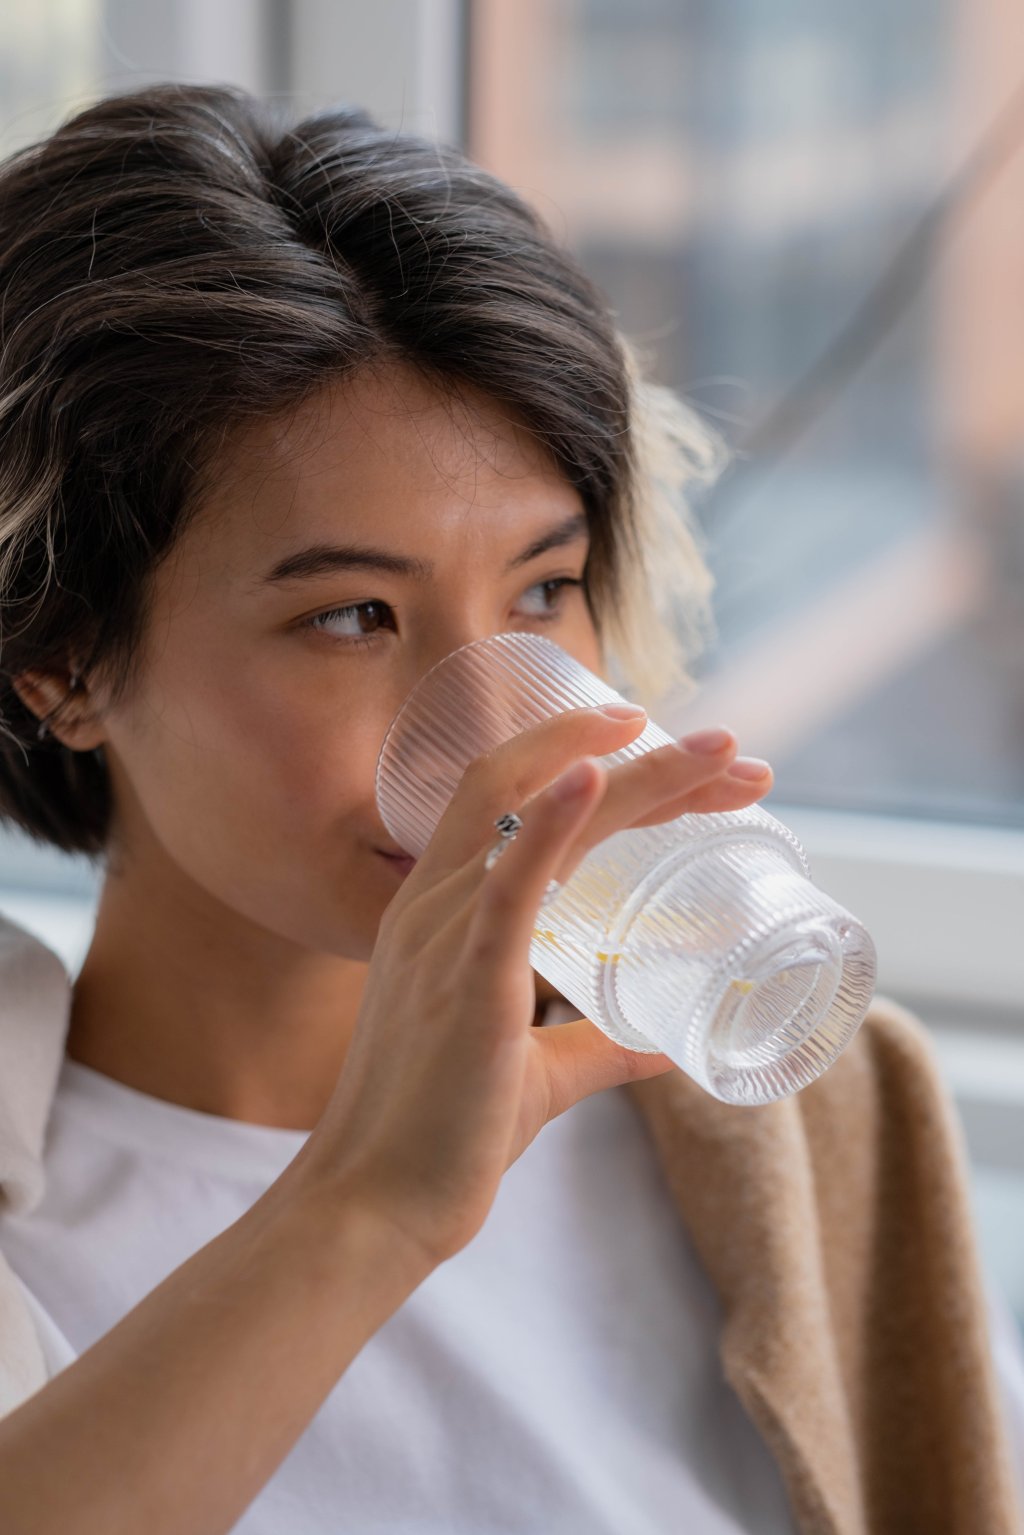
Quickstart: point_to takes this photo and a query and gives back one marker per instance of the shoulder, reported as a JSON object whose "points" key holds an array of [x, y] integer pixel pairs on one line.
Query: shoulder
{"points": [[27, 962], [24, 1361], [892, 1031], [35, 991], [890, 1069], [35, 996], [886, 1149], [19, 946]]}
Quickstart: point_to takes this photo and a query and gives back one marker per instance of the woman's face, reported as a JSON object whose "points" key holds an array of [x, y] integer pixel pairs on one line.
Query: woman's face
{"points": [[245, 755]]}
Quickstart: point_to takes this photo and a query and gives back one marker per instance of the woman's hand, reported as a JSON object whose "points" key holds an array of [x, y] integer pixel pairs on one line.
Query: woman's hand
{"points": [[445, 1082]]}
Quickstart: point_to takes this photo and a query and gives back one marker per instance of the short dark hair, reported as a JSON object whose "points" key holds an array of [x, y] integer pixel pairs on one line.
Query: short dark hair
{"points": [[177, 260]]}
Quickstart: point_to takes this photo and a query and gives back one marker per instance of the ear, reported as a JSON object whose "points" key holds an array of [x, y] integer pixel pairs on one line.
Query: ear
{"points": [[76, 724]]}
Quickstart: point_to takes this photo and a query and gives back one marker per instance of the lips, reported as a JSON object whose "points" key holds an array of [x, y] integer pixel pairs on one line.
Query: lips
{"points": [[394, 852], [401, 861]]}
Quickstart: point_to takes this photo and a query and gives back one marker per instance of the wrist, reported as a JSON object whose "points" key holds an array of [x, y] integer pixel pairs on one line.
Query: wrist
{"points": [[339, 1231]]}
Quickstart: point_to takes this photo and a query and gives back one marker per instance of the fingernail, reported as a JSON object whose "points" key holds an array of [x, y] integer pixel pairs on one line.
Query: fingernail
{"points": [[623, 711], [706, 742], [749, 767]]}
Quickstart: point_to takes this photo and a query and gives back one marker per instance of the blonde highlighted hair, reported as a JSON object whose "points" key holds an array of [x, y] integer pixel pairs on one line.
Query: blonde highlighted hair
{"points": [[664, 618]]}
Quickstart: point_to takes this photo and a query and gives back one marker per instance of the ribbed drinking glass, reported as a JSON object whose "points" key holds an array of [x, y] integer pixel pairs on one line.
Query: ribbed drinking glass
{"points": [[702, 937]]}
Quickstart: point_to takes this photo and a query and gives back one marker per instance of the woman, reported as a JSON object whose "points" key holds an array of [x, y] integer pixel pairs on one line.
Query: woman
{"points": [[288, 416]]}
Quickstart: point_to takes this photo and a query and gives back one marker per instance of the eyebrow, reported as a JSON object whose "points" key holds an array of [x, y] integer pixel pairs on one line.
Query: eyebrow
{"points": [[324, 559]]}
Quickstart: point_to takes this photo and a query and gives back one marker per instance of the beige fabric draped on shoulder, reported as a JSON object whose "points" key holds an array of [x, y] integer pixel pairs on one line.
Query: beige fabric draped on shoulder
{"points": [[837, 1228]]}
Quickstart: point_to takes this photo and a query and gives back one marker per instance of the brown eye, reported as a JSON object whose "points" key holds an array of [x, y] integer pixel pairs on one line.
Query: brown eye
{"points": [[555, 589], [360, 632]]}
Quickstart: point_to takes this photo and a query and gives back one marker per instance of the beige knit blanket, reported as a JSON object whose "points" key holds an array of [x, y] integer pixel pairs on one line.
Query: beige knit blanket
{"points": [[837, 1228]]}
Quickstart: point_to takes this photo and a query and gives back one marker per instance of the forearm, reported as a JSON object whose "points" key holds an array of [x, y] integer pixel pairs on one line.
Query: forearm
{"points": [[174, 1420]]}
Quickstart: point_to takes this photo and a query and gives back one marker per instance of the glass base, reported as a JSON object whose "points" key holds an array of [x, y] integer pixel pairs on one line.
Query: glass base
{"points": [[801, 999], [741, 971]]}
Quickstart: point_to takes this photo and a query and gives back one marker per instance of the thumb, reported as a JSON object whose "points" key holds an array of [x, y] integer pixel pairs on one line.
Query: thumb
{"points": [[580, 1059]]}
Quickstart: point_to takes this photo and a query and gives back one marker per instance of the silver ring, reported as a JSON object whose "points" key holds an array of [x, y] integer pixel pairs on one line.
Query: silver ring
{"points": [[510, 825]]}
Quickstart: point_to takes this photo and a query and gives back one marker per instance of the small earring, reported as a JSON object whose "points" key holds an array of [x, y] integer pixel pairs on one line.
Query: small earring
{"points": [[74, 682]]}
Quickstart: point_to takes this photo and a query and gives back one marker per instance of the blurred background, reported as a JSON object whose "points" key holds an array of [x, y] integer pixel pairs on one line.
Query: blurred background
{"points": [[810, 216]]}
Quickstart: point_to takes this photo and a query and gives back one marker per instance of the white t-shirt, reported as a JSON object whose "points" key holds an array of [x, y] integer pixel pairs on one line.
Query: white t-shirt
{"points": [[559, 1374]]}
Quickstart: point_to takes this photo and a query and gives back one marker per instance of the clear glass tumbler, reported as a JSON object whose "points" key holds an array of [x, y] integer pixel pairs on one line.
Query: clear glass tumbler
{"points": [[702, 937]]}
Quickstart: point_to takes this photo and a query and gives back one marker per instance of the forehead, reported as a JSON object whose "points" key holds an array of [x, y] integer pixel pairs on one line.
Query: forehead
{"points": [[385, 452]]}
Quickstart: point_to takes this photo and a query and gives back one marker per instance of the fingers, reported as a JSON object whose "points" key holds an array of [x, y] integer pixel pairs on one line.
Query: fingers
{"points": [[700, 774], [505, 778], [509, 893], [660, 785], [580, 1059], [723, 793]]}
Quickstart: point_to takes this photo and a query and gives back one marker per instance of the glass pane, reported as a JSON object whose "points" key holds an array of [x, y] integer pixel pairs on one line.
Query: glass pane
{"points": [[49, 63], [740, 179]]}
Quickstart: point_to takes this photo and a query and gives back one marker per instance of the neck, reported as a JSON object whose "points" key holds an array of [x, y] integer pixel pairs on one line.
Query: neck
{"points": [[187, 1001]]}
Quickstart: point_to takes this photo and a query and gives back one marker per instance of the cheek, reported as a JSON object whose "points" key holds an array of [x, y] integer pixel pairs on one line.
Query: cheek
{"points": [[322, 769], [583, 645], [258, 787], [299, 759], [230, 768]]}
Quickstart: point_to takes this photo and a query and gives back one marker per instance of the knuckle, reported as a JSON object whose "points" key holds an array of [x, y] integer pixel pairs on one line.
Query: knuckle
{"points": [[486, 946], [478, 770], [491, 778], [572, 733], [516, 771], [520, 787], [675, 763]]}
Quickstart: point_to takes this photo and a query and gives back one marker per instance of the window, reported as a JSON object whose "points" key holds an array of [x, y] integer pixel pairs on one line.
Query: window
{"points": [[739, 179], [754, 188], [49, 63]]}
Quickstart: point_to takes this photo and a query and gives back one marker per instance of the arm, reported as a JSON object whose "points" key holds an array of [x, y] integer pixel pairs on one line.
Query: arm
{"points": [[174, 1420]]}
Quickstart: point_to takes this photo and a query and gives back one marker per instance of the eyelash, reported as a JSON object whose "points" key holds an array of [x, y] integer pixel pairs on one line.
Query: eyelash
{"points": [[317, 622]]}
